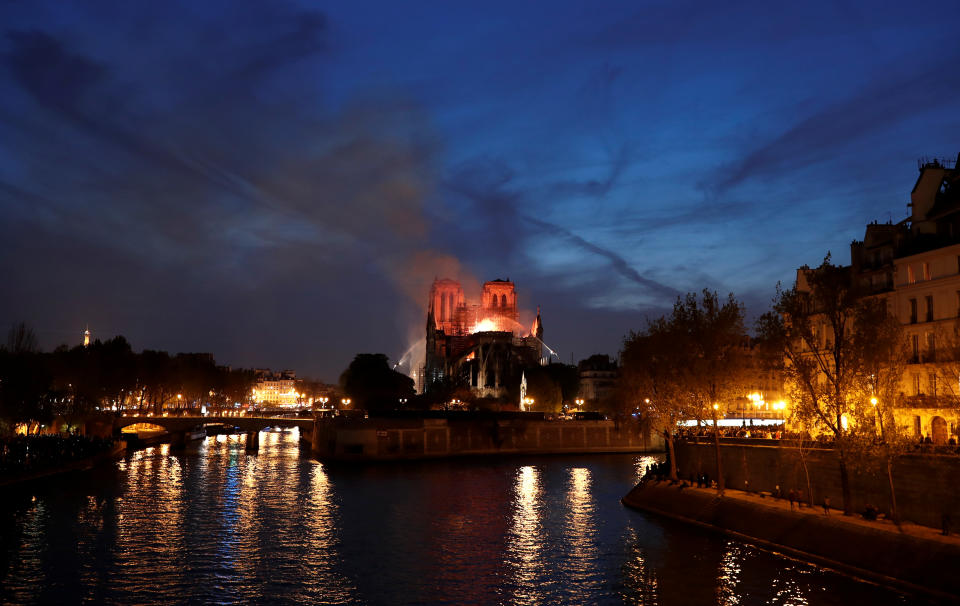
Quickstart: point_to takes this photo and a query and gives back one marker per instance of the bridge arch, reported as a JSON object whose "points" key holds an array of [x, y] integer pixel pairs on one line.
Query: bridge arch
{"points": [[138, 426]]}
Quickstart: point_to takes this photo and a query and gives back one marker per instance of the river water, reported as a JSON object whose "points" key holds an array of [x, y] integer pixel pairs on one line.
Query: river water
{"points": [[216, 525]]}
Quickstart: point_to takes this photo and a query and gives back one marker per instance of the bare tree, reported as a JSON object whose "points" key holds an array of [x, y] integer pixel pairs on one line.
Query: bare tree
{"points": [[831, 340], [651, 381], [686, 365]]}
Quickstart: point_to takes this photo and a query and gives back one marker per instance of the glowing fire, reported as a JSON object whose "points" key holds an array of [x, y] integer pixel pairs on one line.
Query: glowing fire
{"points": [[485, 325]]}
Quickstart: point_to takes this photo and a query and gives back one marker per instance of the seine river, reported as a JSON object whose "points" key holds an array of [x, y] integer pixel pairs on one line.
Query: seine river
{"points": [[215, 525]]}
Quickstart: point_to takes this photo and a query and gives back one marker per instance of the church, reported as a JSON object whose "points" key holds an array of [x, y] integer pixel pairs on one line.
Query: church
{"points": [[479, 343]]}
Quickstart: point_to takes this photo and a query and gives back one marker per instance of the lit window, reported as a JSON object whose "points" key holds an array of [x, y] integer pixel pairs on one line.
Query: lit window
{"points": [[911, 277], [926, 271]]}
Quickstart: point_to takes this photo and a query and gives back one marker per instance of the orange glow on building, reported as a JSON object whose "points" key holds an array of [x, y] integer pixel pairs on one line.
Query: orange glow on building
{"points": [[481, 343]]}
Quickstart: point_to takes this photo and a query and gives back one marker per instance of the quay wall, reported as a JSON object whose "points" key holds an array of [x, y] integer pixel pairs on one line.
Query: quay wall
{"points": [[397, 439], [910, 563], [927, 486]]}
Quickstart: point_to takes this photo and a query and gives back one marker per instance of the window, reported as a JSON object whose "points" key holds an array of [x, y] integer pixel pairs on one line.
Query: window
{"points": [[932, 383], [913, 311], [503, 300], [929, 308], [931, 355], [916, 384], [911, 277], [914, 348], [926, 271], [493, 303]]}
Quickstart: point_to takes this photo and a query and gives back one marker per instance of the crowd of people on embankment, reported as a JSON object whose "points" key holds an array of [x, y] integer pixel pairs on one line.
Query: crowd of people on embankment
{"points": [[660, 472], [923, 444], [30, 454]]}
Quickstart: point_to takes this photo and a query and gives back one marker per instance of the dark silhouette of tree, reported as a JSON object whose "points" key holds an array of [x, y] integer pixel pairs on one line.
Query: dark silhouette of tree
{"points": [[651, 381], [24, 378], [691, 364], [552, 385], [372, 385]]}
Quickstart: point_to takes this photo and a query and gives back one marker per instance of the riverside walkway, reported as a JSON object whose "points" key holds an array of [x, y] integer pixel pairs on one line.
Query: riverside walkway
{"points": [[912, 558]]}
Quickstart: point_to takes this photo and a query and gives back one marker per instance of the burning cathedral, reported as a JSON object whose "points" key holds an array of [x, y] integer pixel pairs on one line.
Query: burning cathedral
{"points": [[482, 345]]}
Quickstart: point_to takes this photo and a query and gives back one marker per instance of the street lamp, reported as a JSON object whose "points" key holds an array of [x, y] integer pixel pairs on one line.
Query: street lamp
{"points": [[716, 442], [874, 402]]}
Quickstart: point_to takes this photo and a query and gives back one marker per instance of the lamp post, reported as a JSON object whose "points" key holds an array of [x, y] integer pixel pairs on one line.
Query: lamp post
{"points": [[879, 414], [886, 449], [716, 443]]}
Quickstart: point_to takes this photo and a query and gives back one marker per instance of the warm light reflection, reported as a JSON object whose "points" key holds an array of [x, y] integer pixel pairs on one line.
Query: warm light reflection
{"points": [[320, 517], [639, 576], [581, 529], [525, 540], [728, 575]]}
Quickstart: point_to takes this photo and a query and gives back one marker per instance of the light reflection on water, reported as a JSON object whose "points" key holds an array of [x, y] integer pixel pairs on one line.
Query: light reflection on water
{"points": [[215, 524], [524, 542]]}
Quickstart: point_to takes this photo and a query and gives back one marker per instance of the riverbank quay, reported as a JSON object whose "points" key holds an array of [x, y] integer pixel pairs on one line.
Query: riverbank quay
{"points": [[116, 450], [456, 435], [925, 482], [913, 559]]}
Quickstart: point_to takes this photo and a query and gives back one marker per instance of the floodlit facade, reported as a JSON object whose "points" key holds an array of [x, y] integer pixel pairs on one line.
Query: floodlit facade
{"points": [[480, 343], [276, 389], [915, 266]]}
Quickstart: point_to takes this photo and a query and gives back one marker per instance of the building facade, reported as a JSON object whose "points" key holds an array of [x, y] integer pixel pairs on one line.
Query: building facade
{"points": [[276, 389], [598, 380], [914, 265]]}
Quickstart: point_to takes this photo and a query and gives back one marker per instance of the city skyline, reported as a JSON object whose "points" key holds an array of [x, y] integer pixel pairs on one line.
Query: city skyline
{"points": [[279, 185]]}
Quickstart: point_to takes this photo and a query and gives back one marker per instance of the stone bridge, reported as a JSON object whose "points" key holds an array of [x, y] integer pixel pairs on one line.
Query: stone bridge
{"points": [[247, 424], [179, 426]]}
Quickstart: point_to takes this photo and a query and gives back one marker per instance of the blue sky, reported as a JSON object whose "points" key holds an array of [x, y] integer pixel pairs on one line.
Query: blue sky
{"points": [[278, 183]]}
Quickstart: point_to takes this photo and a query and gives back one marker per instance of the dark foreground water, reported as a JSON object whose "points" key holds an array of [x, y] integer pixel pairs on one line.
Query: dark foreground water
{"points": [[216, 525]]}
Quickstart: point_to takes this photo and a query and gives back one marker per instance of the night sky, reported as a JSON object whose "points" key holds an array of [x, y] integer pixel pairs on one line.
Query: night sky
{"points": [[278, 183]]}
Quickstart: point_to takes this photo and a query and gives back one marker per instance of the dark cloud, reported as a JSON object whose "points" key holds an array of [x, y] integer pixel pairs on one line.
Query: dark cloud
{"points": [[55, 78], [280, 186], [842, 126], [617, 262]]}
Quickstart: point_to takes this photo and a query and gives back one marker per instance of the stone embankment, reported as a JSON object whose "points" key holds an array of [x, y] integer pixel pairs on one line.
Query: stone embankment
{"points": [[83, 464], [914, 559], [385, 439]]}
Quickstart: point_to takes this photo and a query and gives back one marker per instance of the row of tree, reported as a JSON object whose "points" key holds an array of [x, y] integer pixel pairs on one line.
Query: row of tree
{"points": [[36, 386], [840, 352]]}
